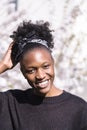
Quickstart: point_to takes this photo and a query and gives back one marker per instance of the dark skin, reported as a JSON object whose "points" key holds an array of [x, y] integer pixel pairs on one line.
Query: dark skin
{"points": [[37, 66], [6, 62]]}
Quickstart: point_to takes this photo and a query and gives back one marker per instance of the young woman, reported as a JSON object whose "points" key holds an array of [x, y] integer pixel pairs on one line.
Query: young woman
{"points": [[44, 106]]}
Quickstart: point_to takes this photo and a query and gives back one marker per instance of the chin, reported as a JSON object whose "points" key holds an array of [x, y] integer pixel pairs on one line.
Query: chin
{"points": [[43, 92], [43, 88]]}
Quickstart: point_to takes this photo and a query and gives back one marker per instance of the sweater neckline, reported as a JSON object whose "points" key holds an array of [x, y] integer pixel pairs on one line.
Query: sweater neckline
{"points": [[49, 100], [56, 99]]}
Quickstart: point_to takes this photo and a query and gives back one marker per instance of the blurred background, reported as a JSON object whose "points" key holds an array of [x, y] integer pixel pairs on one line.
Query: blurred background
{"points": [[69, 20]]}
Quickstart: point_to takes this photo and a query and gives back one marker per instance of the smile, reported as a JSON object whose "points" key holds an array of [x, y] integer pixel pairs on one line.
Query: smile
{"points": [[43, 84]]}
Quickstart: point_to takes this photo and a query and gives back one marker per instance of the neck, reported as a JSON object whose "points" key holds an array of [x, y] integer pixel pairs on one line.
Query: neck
{"points": [[53, 92]]}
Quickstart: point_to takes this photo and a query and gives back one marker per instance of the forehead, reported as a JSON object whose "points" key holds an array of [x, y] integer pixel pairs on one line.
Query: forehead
{"points": [[37, 55]]}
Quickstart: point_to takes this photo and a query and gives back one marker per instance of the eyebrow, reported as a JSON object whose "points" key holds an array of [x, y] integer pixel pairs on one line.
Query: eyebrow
{"points": [[32, 66]]}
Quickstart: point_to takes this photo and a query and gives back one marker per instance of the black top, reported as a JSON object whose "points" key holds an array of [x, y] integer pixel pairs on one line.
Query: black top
{"points": [[22, 110]]}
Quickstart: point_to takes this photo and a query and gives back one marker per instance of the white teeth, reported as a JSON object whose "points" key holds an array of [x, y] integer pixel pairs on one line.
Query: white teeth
{"points": [[43, 84]]}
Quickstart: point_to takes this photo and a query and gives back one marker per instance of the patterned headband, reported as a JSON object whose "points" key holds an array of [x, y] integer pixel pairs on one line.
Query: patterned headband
{"points": [[21, 46], [40, 41]]}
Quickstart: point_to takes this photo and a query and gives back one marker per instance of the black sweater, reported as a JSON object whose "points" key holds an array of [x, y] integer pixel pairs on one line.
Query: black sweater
{"points": [[22, 110]]}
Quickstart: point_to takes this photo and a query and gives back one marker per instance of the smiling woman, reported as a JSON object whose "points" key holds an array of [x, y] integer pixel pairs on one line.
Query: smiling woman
{"points": [[39, 71], [43, 106]]}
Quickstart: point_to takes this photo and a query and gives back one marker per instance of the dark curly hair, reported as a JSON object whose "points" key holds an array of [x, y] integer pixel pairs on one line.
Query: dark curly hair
{"points": [[28, 31]]}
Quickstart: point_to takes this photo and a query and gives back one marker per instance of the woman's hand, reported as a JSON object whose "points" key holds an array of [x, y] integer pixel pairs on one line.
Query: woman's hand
{"points": [[6, 62]]}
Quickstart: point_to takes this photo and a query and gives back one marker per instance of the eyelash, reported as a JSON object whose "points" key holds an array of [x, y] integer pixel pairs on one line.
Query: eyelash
{"points": [[46, 66], [30, 71], [33, 70]]}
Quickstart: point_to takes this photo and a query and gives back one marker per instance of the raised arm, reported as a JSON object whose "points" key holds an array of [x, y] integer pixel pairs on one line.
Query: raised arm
{"points": [[6, 62]]}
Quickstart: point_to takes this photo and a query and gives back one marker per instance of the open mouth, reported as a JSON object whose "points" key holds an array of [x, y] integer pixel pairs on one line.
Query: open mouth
{"points": [[42, 84]]}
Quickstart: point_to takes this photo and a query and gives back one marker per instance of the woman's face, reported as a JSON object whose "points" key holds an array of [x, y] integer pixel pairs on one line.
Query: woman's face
{"points": [[37, 67]]}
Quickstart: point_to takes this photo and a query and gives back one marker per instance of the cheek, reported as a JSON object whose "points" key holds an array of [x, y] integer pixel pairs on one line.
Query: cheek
{"points": [[51, 72], [30, 77], [27, 76]]}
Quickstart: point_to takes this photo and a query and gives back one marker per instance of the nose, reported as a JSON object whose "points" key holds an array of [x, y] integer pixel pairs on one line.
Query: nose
{"points": [[40, 74]]}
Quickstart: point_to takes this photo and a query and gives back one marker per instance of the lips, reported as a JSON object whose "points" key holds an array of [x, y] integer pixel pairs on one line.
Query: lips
{"points": [[42, 84]]}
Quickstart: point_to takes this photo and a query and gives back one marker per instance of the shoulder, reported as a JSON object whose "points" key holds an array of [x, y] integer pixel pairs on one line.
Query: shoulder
{"points": [[76, 101], [78, 107], [75, 98], [14, 94]]}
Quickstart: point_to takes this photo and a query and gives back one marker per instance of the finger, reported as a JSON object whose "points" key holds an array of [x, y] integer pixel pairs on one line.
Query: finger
{"points": [[10, 46]]}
